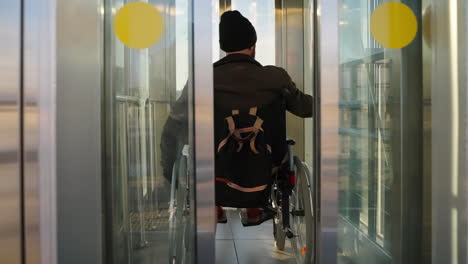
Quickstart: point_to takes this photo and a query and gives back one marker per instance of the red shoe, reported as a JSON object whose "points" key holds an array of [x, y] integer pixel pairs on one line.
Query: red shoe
{"points": [[254, 213], [255, 216], [221, 214]]}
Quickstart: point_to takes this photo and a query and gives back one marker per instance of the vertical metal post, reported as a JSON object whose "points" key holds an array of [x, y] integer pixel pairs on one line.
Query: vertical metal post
{"points": [[10, 130], [204, 130], [39, 151], [326, 125], [79, 155], [449, 181]]}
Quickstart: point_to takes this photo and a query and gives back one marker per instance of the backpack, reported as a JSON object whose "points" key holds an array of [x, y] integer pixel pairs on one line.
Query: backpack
{"points": [[243, 164]]}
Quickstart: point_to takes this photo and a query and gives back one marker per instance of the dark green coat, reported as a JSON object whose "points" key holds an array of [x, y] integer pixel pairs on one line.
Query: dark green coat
{"points": [[240, 82]]}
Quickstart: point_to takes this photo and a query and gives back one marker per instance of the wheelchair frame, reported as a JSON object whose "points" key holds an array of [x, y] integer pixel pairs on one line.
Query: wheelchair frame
{"points": [[292, 193], [295, 184]]}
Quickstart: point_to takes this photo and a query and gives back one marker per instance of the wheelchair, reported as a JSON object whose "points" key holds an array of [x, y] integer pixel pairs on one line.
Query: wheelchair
{"points": [[293, 207], [291, 203], [181, 221]]}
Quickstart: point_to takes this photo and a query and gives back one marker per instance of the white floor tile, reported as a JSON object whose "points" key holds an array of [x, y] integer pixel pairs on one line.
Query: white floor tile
{"points": [[261, 252], [223, 231], [263, 231], [237, 244], [225, 252]]}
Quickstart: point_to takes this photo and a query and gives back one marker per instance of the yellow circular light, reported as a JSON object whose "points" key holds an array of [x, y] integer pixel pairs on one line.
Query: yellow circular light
{"points": [[393, 25], [138, 25]]}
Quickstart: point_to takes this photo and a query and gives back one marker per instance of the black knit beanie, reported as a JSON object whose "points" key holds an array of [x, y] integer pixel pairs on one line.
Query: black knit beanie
{"points": [[236, 32]]}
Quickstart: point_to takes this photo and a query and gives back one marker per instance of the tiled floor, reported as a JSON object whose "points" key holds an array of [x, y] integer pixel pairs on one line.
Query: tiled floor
{"points": [[236, 244]]}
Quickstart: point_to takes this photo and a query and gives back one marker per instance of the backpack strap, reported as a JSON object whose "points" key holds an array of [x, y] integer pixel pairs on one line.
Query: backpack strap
{"points": [[232, 130], [257, 127], [236, 133], [231, 125], [253, 111]]}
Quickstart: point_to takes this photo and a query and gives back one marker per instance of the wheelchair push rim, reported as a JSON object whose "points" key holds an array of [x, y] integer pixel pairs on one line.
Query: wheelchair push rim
{"points": [[301, 215], [179, 219]]}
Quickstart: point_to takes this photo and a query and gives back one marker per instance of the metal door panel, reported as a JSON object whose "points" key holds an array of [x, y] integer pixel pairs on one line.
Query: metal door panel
{"points": [[448, 80], [79, 88], [290, 51], [204, 131], [326, 123], [10, 132], [39, 132]]}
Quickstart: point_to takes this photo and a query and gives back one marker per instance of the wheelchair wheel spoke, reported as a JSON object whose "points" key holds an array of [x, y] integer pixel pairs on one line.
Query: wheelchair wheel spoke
{"points": [[301, 217]]}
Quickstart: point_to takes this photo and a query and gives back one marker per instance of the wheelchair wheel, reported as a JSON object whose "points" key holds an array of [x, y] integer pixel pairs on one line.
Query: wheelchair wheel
{"points": [[179, 222], [301, 215], [278, 232]]}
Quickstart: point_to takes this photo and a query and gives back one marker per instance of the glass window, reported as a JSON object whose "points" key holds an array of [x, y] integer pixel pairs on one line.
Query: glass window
{"points": [[381, 147], [149, 201], [262, 16]]}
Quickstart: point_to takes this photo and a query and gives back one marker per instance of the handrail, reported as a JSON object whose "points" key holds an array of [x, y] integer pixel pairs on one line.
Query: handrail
{"points": [[136, 99]]}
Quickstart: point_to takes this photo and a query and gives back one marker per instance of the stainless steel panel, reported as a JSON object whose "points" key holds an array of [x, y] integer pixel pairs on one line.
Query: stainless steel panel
{"points": [[280, 34], [10, 133], [204, 130], [290, 53], [294, 65], [463, 81], [464, 131], [295, 52], [309, 81], [79, 87], [327, 113], [224, 5], [449, 89], [427, 134], [38, 129]]}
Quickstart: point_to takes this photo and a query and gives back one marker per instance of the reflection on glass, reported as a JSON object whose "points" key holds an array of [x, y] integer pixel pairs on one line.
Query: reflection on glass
{"points": [[262, 16], [215, 17], [148, 170], [373, 181]]}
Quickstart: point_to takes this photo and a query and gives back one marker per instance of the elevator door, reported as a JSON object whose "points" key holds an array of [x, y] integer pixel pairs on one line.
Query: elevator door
{"points": [[377, 119], [284, 39], [149, 132]]}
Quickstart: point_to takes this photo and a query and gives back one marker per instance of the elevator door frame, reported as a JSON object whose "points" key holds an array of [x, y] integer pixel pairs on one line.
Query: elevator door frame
{"points": [[72, 156]]}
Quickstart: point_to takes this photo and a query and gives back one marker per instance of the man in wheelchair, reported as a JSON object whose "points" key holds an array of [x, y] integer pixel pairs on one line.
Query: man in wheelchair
{"points": [[251, 101]]}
